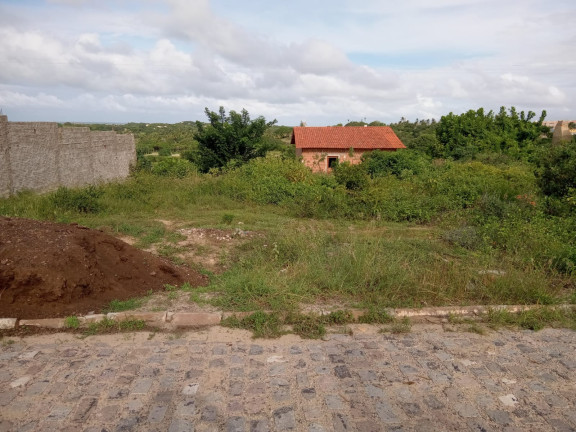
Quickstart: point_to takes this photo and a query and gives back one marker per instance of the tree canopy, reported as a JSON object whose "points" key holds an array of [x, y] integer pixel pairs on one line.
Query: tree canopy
{"points": [[464, 136], [229, 139]]}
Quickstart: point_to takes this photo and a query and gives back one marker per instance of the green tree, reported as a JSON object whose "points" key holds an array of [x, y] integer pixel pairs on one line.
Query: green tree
{"points": [[230, 139], [556, 173], [466, 135]]}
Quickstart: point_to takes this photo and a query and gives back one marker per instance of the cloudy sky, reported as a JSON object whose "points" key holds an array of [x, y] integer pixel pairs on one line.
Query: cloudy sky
{"points": [[322, 61]]}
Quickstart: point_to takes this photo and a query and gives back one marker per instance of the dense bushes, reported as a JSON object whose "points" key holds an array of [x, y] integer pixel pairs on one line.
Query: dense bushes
{"points": [[78, 200], [399, 163]]}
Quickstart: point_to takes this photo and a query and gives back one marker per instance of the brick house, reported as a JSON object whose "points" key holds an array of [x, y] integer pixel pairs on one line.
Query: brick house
{"points": [[321, 147]]}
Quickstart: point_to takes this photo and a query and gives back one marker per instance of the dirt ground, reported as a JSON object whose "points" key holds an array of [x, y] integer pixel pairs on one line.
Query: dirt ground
{"points": [[54, 270]]}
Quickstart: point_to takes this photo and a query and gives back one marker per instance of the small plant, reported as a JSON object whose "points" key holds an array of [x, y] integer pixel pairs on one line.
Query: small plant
{"points": [[261, 324], [227, 218], [309, 327], [476, 328], [402, 326], [339, 317], [107, 325], [376, 316], [72, 322], [131, 325]]}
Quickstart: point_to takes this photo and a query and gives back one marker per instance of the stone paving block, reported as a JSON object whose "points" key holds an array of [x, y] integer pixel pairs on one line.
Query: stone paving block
{"points": [[157, 413], [259, 426], [141, 386], [340, 422], [22, 381], [210, 414], [334, 402], [385, 382], [37, 388], [254, 404], [83, 409], [284, 418], [59, 412], [186, 409], [181, 425], [235, 424]]}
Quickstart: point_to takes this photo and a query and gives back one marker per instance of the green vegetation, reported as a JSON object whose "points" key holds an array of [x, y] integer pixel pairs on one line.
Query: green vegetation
{"points": [[230, 140], [123, 305], [107, 325], [72, 322], [490, 220], [534, 319]]}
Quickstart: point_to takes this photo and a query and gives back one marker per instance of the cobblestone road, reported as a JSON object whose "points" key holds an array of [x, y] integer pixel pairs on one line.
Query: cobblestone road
{"points": [[221, 380]]}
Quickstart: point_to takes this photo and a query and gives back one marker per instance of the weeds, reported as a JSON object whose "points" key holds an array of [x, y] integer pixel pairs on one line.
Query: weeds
{"points": [[376, 316], [107, 325], [533, 319], [123, 305], [72, 322], [398, 326], [261, 324]]}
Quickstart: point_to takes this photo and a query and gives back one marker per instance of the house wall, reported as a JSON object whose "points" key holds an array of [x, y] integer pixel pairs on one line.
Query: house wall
{"points": [[41, 156], [317, 159]]}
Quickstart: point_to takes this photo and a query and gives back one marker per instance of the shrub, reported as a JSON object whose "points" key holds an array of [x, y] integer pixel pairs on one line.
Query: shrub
{"points": [[78, 200], [352, 177], [399, 163], [164, 151], [173, 167]]}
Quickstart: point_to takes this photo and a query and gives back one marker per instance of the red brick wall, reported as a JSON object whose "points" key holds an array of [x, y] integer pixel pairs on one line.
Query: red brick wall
{"points": [[317, 159]]}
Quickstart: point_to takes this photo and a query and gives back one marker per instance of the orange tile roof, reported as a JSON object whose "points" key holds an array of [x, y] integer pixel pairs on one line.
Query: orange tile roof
{"points": [[345, 137]]}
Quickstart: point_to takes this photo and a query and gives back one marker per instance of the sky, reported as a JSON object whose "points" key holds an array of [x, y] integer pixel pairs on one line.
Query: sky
{"points": [[322, 62]]}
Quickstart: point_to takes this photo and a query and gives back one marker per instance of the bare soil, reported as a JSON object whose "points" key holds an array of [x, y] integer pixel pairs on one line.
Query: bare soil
{"points": [[54, 270]]}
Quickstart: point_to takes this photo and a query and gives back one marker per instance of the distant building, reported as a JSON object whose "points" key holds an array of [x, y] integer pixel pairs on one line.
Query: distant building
{"points": [[552, 124], [321, 147], [562, 132]]}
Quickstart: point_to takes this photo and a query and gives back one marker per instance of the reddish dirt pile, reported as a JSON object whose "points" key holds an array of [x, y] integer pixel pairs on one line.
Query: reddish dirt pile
{"points": [[54, 270]]}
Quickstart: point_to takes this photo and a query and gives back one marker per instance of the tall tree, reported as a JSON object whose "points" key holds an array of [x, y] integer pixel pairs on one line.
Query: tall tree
{"points": [[233, 138]]}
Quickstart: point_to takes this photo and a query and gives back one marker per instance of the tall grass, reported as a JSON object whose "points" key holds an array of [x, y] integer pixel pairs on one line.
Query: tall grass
{"points": [[411, 240]]}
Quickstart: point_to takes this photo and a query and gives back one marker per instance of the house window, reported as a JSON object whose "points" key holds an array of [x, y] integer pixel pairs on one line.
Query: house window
{"points": [[332, 161]]}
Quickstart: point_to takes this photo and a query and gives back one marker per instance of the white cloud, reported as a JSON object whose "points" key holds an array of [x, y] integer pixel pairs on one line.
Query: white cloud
{"points": [[339, 60]]}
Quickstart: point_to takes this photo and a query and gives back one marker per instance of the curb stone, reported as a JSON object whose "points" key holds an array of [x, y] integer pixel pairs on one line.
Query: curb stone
{"points": [[204, 319], [7, 323]]}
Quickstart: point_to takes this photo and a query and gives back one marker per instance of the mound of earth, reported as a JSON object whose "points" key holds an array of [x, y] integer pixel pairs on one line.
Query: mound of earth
{"points": [[52, 270]]}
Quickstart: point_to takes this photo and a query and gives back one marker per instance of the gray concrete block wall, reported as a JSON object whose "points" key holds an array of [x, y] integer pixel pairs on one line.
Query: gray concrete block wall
{"points": [[104, 147], [33, 156], [41, 156], [5, 170], [75, 163]]}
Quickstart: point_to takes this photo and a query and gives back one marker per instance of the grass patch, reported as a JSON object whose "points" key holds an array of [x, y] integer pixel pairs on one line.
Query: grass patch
{"points": [[72, 322], [453, 235], [398, 326], [107, 325], [262, 324], [534, 319], [309, 327], [124, 305], [375, 316]]}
